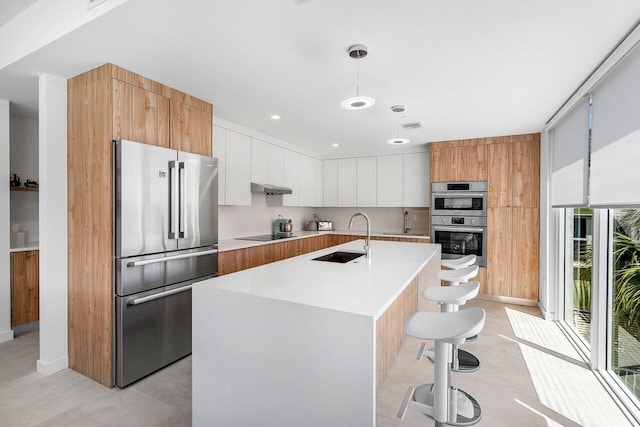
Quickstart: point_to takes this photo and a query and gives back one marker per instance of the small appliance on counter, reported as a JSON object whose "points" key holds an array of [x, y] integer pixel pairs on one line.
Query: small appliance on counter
{"points": [[282, 227], [316, 224]]}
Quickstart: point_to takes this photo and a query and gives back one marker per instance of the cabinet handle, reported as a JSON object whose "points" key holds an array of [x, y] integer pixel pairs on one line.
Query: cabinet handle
{"points": [[159, 295], [170, 258]]}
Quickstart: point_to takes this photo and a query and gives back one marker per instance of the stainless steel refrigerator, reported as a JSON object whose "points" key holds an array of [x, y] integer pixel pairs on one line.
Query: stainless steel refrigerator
{"points": [[166, 238]]}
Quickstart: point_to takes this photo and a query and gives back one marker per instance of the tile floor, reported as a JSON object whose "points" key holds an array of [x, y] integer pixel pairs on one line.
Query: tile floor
{"points": [[530, 376]]}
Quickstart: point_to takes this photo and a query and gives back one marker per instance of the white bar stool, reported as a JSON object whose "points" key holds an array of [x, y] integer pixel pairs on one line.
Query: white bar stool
{"points": [[461, 275], [458, 263], [440, 400]]}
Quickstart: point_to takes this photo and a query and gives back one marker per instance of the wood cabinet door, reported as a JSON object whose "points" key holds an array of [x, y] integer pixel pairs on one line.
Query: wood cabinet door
{"points": [[524, 262], [190, 129], [443, 164], [499, 237], [140, 115], [471, 163], [25, 287], [526, 174], [499, 175]]}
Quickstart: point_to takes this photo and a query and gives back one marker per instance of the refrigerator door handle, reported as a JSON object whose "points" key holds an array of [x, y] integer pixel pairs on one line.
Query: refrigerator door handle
{"points": [[141, 300], [183, 202], [173, 199], [170, 258]]}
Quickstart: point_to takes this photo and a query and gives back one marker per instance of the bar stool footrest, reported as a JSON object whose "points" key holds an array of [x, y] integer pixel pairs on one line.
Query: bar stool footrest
{"points": [[469, 411]]}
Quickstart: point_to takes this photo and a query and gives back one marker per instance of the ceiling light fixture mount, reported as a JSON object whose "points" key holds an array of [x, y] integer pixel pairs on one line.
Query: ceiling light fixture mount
{"points": [[397, 140], [357, 52]]}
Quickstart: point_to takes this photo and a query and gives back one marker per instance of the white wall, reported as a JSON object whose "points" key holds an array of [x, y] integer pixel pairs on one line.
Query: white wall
{"points": [[24, 162], [53, 224], [5, 281]]}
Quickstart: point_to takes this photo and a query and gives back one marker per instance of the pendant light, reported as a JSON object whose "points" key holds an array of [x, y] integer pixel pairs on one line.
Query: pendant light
{"points": [[397, 140], [358, 102]]}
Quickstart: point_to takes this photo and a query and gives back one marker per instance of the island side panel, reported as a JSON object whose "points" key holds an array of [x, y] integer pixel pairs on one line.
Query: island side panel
{"points": [[427, 277], [389, 330], [260, 361]]}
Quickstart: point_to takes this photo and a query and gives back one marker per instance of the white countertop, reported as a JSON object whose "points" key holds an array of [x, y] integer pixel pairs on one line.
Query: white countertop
{"points": [[28, 246], [233, 244], [362, 286]]}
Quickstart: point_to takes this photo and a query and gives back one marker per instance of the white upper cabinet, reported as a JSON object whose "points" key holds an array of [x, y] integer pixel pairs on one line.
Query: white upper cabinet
{"points": [[276, 165], [307, 181], [330, 183], [219, 144], [238, 169], [291, 178], [366, 170], [390, 180], [259, 161], [347, 186], [416, 180], [317, 167]]}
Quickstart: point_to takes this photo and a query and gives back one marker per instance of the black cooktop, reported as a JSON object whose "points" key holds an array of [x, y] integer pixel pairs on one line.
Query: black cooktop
{"points": [[266, 237]]}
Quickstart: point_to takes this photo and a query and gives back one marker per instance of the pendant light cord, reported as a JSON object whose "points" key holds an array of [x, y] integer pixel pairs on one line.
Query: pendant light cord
{"points": [[358, 77]]}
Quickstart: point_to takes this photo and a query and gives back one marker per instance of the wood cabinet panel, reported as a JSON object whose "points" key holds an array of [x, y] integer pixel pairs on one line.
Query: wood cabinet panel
{"points": [[499, 237], [338, 239], [526, 173], [389, 330], [443, 164], [140, 115], [25, 287], [524, 271], [482, 278], [499, 175], [471, 163], [190, 129]]}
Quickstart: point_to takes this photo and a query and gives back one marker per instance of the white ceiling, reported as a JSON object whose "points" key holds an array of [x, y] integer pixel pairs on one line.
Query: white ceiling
{"points": [[464, 68]]}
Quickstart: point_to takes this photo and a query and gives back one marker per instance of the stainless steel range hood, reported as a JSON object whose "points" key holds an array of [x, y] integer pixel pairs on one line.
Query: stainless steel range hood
{"points": [[269, 189]]}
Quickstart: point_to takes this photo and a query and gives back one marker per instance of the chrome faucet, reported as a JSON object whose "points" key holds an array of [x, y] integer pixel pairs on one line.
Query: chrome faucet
{"points": [[367, 247], [407, 227]]}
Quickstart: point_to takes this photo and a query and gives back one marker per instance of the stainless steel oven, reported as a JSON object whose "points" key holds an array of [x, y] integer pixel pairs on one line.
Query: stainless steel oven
{"points": [[459, 198], [460, 236]]}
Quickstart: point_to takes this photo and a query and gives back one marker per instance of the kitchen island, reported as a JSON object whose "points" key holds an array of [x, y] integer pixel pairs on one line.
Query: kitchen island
{"points": [[304, 342]]}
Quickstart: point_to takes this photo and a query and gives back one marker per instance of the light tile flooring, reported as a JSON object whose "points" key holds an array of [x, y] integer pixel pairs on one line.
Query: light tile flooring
{"points": [[529, 376]]}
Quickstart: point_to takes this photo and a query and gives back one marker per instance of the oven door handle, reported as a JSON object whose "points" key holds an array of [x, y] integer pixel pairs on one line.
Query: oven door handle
{"points": [[459, 229], [458, 195], [142, 300]]}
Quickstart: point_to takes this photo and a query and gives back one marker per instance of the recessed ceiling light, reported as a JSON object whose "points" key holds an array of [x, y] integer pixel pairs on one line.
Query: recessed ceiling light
{"points": [[335, 145], [358, 103], [398, 141], [275, 117]]}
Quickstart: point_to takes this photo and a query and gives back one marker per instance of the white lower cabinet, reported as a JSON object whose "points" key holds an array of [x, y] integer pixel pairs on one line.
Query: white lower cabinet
{"points": [[237, 169], [330, 183], [347, 185], [366, 168], [219, 148], [390, 179]]}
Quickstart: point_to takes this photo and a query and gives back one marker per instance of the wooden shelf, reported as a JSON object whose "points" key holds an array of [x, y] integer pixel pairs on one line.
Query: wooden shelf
{"points": [[36, 189]]}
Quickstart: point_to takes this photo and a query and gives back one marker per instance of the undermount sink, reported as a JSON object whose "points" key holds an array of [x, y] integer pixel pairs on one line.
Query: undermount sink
{"points": [[339, 256]]}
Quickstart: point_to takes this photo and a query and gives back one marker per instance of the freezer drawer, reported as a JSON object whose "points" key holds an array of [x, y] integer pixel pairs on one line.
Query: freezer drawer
{"points": [[153, 329], [143, 273]]}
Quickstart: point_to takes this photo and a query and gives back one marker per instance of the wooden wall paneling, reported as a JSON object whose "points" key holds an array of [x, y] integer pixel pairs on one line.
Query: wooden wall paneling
{"points": [[524, 271], [389, 330], [140, 115], [471, 163], [443, 164], [89, 221], [499, 175], [25, 284], [499, 253], [526, 172]]}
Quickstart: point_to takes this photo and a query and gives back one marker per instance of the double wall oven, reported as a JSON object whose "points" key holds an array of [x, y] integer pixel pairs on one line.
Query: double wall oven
{"points": [[459, 219]]}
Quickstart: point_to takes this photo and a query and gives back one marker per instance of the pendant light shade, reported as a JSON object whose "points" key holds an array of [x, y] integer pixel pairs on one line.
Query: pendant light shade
{"points": [[358, 102], [398, 140]]}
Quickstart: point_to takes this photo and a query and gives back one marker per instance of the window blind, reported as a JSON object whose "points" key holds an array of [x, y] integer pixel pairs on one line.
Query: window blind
{"points": [[615, 137], [570, 139]]}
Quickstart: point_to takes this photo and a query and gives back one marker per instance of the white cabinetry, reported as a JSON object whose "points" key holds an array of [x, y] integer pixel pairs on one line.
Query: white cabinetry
{"points": [[219, 148], [347, 187], [238, 169], [366, 181], [291, 177], [317, 168], [259, 161], [330, 183], [307, 181], [416, 180], [390, 179], [276, 165]]}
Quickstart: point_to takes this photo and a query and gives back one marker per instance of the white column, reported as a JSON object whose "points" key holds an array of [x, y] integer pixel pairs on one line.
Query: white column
{"points": [[6, 333], [53, 224]]}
